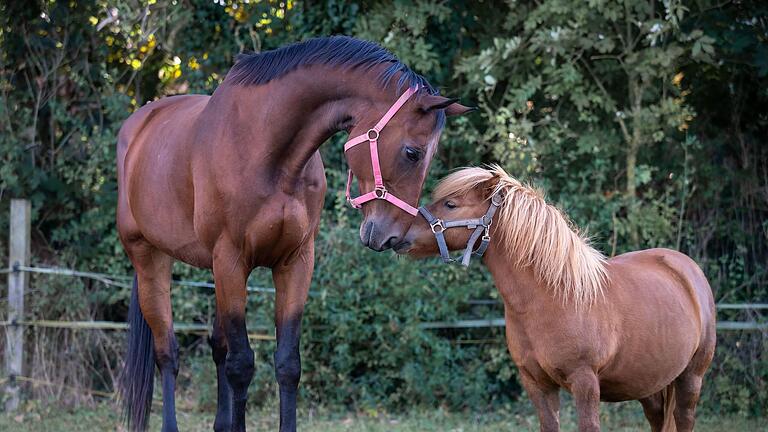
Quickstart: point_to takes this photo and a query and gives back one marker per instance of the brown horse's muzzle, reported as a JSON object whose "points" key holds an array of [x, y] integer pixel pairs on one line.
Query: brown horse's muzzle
{"points": [[381, 232]]}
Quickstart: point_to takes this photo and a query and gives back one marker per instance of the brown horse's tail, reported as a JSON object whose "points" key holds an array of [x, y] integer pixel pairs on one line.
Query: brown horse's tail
{"points": [[668, 397], [137, 378]]}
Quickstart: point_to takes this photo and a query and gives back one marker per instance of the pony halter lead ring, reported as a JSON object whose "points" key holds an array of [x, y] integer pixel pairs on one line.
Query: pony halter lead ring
{"points": [[372, 137], [481, 225]]}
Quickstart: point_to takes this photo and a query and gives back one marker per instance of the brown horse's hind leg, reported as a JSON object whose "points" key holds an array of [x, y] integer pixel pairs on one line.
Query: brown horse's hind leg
{"points": [[546, 399], [585, 388], [653, 408], [292, 286], [230, 276], [153, 271]]}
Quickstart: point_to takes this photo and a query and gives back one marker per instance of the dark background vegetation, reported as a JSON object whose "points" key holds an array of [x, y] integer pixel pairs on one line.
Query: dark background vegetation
{"points": [[645, 121]]}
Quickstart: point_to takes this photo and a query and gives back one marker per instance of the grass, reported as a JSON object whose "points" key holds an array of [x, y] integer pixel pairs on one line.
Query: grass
{"points": [[105, 417]]}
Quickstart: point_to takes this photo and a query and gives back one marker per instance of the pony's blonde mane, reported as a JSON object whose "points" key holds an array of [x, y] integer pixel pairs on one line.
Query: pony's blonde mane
{"points": [[536, 234]]}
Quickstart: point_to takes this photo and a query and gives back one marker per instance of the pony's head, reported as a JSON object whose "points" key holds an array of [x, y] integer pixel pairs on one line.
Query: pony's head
{"points": [[406, 146], [464, 194], [526, 231]]}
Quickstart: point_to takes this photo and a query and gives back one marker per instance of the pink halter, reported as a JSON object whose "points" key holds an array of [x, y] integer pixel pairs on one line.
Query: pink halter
{"points": [[372, 136]]}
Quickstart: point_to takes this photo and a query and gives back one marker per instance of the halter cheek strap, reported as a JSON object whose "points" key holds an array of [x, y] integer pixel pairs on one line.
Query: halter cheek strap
{"points": [[372, 137], [480, 225]]}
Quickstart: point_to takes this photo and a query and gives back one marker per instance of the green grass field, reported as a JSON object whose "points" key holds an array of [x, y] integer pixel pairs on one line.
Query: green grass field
{"points": [[105, 417]]}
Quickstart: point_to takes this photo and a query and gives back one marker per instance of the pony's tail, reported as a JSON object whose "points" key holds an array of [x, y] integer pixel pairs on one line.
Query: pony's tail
{"points": [[668, 399], [137, 378]]}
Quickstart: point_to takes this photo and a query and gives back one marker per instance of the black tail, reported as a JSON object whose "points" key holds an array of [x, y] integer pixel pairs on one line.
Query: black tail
{"points": [[137, 378]]}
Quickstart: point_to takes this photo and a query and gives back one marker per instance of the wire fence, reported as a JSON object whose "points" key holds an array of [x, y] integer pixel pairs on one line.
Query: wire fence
{"points": [[203, 329], [117, 280], [125, 281]]}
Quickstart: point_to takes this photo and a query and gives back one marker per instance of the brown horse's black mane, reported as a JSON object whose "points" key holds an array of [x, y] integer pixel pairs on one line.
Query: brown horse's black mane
{"points": [[342, 51]]}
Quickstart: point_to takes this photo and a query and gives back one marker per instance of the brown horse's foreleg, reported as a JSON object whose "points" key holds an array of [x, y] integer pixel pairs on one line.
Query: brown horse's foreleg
{"points": [[230, 276], [292, 285], [585, 388], [218, 343], [153, 271], [546, 399]]}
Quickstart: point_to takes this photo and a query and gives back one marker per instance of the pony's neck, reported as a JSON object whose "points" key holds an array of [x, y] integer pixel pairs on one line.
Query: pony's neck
{"points": [[290, 117], [518, 286]]}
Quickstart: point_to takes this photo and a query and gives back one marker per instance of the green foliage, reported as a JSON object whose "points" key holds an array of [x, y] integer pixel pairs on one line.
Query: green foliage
{"points": [[643, 121]]}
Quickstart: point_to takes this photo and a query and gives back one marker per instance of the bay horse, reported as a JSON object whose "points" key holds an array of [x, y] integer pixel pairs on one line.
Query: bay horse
{"points": [[234, 181], [638, 326]]}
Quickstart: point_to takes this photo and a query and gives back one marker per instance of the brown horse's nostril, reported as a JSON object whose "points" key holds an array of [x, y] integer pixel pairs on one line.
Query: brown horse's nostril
{"points": [[366, 234], [390, 243]]}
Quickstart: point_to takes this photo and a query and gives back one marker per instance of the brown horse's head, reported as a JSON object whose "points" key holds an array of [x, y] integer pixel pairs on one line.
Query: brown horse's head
{"points": [[462, 195], [406, 146]]}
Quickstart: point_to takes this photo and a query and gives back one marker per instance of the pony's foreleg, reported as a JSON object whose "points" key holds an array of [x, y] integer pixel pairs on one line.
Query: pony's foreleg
{"points": [[585, 388], [218, 342], [230, 275], [546, 399], [292, 281]]}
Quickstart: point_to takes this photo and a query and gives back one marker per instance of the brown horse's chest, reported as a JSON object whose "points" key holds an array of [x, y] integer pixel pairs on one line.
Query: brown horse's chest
{"points": [[281, 225]]}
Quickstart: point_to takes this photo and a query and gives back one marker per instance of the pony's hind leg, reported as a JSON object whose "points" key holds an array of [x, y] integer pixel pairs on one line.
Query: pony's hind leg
{"points": [[153, 271], [687, 386], [687, 391], [653, 408]]}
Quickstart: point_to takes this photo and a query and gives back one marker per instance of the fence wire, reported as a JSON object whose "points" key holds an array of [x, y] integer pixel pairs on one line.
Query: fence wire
{"points": [[115, 280]]}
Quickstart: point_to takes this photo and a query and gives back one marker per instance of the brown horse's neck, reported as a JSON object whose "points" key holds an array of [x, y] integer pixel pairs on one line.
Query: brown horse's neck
{"points": [[284, 122]]}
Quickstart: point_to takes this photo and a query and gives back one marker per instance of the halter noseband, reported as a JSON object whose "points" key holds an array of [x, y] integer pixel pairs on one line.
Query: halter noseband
{"points": [[372, 137], [481, 225]]}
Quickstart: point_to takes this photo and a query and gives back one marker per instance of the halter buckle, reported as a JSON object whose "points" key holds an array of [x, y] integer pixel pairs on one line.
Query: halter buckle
{"points": [[486, 234], [372, 134], [437, 224], [380, 191]]}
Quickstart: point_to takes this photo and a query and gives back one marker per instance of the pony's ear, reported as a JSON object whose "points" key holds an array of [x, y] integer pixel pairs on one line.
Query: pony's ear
{"points": [[489, 186], [451, 106]]}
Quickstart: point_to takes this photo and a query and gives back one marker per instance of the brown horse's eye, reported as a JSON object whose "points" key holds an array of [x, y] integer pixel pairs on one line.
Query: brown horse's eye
{"points": [[413, 155], [450, 204]]}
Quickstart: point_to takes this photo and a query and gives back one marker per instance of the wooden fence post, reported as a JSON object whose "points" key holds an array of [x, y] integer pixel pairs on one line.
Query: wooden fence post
{"points": [[18, 255]]}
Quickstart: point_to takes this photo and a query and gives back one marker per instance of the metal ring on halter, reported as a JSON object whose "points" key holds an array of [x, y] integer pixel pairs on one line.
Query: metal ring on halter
{"points": [[380, 192], [495, 197], [434, 225], [486, 221], [375, 134]]}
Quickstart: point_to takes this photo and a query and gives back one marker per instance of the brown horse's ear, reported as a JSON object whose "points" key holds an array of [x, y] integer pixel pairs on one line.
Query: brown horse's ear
{"points": [[451, 106]]}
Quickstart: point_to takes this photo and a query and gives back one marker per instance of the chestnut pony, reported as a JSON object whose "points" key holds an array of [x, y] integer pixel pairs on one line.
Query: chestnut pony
{"points": [[637, 326], [234, 181]]}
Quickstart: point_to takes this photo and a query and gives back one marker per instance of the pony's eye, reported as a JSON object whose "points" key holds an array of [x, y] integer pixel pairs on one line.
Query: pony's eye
{"points": [[413, 155], [450, 204]]}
